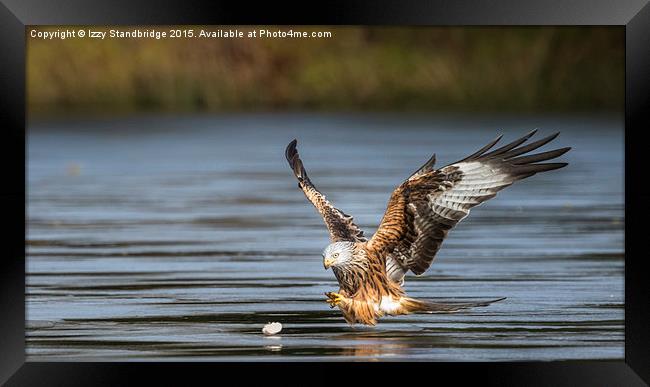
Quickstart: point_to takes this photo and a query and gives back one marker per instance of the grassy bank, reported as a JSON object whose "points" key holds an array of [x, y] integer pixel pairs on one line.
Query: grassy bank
{"points": [[526, 69]]}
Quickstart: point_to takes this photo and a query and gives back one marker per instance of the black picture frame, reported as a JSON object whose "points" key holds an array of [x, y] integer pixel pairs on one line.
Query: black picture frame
{"points": [[15, 15]]}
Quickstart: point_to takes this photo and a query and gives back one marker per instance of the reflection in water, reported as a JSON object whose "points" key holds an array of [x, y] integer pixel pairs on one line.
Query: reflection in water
{"points": [[275, 343], [160, 243], [372, 347], [372, 351]]}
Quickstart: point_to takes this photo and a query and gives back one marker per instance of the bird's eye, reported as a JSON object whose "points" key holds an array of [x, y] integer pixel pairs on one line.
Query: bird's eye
{"points": [[335, 255]]}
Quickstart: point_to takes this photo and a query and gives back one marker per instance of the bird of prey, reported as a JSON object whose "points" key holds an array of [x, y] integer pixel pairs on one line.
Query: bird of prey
{"points": [[419, 215]]}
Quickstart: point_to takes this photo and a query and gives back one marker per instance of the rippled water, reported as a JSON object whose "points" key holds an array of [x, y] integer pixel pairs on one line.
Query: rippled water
{"points": [[179, 237]]}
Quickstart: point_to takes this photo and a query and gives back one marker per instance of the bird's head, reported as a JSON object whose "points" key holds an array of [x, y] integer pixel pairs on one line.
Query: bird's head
{"points": [[338, 254]]}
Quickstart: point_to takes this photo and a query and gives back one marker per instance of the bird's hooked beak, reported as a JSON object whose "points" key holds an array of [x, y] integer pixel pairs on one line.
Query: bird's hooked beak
{"points": [[327, 263]]}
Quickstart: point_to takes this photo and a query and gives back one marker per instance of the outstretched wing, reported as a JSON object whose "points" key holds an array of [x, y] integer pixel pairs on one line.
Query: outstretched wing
{"points": [[431, 202], [340, 226]]}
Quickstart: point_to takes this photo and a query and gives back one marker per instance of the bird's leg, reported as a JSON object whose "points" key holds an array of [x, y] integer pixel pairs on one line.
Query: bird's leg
{"points": [[334, 299]]}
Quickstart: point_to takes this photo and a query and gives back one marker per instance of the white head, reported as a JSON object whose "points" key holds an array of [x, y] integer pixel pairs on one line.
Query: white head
{"points": [[338, 254]]}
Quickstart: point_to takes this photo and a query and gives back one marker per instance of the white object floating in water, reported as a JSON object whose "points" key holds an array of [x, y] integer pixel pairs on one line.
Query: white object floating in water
{"points": [[272, 328]]}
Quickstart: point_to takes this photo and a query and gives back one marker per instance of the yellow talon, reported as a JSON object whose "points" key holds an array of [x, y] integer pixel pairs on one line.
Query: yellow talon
{"points": [[333, 299]]}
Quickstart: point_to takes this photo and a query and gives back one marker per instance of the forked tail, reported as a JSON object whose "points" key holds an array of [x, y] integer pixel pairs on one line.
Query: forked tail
{"points": [[413, 305]]}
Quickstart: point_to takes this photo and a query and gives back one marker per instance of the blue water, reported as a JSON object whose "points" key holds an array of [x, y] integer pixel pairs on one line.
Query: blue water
{"points": [[179, 237]]}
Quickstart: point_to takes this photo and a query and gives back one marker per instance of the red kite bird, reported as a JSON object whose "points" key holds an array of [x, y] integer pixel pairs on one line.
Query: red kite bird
{"points": [[420, 213]]}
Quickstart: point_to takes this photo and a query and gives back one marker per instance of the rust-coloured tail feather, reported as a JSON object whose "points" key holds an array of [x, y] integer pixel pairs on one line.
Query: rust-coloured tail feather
{"points": [[413, 305]]}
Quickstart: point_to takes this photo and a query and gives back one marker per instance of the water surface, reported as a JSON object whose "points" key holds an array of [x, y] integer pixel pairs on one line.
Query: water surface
{"points": [[179, 237]]}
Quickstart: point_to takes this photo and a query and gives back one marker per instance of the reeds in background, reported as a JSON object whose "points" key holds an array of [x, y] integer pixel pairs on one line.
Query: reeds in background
{"points": [[503, 69]]}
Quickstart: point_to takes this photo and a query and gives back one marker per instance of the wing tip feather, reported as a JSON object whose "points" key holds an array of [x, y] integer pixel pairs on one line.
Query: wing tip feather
{"points": [[484, 149], [291, 153], [291, 150], [530, 169]]}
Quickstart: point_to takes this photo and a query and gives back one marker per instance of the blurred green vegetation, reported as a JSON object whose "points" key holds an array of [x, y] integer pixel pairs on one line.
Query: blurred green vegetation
{"points": [[503, 69]]}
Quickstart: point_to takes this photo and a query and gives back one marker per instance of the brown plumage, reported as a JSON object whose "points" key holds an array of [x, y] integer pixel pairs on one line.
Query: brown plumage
{"points": [[420, 213]]}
